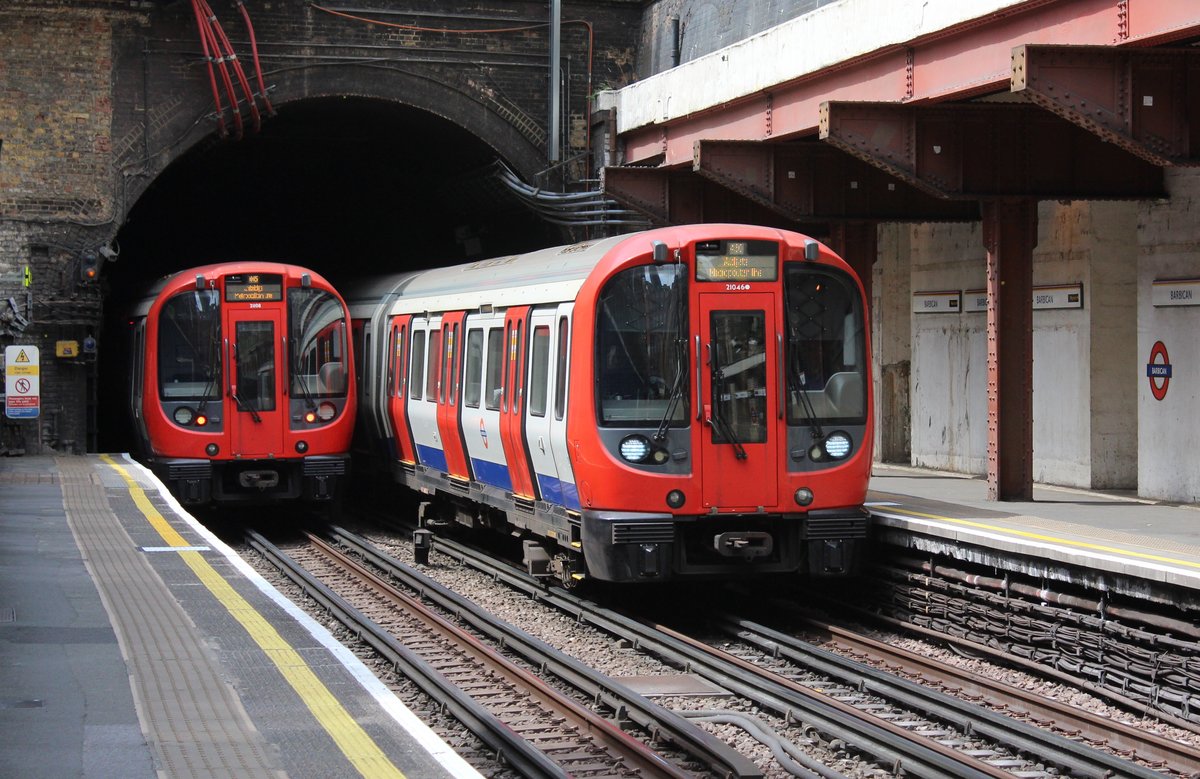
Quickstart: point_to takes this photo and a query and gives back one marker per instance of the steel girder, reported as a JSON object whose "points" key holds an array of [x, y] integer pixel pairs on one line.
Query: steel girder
{"points": [[1146, 101], [982, 151]]}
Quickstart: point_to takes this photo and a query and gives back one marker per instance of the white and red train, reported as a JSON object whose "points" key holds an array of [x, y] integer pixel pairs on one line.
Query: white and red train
{"points": [[687, 401], [241, 388]]}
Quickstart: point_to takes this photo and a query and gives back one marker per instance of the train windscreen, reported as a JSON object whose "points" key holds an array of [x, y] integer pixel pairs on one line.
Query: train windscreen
{"points": [[825, 371], [641, 347], [317, 343], [189, 346]]}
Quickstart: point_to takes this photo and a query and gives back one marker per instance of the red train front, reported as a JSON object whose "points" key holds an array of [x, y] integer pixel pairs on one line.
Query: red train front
{"points": [[242, 388]]}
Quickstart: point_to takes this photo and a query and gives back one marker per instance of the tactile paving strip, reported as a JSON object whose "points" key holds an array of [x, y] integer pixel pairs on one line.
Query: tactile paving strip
{"points": [[192, 719]]}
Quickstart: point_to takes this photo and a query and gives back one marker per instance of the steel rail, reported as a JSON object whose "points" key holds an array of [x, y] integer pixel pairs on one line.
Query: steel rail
{"points": [[884, 741], [519, 754], [587, 722], [1081, 758], [660, 722]]}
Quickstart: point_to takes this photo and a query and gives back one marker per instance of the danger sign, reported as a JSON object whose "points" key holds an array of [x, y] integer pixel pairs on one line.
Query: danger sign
{"points": [[22, 375]]}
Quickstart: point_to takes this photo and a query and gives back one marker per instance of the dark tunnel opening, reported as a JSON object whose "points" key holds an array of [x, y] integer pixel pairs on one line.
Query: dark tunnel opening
{"points": [[349, 187]]}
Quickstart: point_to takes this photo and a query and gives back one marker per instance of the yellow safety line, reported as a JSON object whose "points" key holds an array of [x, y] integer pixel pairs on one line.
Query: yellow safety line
{"points": [[1052, 539], [358, 747]]}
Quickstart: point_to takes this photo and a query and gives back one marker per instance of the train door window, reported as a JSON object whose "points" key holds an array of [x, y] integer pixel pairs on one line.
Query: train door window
{"points": [[539, 375], [417, 377], [560, 382], [739, 376], [401, 340], [493, 389], [432, 377], [256, 365], [474, 368], [446, 388], [391, 363]]}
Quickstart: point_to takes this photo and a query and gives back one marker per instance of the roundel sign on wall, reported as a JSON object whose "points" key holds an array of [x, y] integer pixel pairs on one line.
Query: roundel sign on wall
{"points": [[1158, 370]]}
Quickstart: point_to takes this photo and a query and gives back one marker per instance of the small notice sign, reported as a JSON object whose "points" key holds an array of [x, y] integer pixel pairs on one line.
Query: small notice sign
{"points": [[22, 373], [936, 302], [1176, 292], [1060, 296]]}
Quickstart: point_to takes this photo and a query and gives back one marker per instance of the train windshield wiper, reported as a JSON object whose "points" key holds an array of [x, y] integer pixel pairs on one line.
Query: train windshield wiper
{"points": [[243, 406], [797, 386], [717, 420], [679, 301]]}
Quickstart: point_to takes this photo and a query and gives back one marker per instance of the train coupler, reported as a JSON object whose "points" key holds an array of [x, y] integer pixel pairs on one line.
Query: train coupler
{"points": [[745, 544]]}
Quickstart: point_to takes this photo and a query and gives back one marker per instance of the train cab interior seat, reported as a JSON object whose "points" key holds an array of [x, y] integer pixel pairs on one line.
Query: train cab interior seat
{"points": [[845, 393], [331, 378]]}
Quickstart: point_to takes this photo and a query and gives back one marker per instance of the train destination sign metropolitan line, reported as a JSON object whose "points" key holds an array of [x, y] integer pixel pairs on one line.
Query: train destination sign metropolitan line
{"points": [[22, 371]]}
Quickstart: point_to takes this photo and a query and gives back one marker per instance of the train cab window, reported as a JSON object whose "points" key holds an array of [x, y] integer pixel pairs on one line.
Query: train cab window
{"points": [[255, 354], [417, 375], [317, 343], [641, 357], [473, 378], [824, 371], [432, 376], [189, 346], [539, 375], [495, 364], [560, 382]]}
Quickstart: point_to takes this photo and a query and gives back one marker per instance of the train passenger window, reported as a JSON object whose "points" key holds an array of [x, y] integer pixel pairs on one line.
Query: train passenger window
{"points": [[560, 383], [495, 364], [540, 371], [474, 368], [189, 346], [417, 377], [432, 376]]}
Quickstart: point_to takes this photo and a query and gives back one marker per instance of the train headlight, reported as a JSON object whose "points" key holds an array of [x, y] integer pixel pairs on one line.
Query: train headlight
{"points": [[302, 446], [184, 415], [837, 445], [635, 448], [326, 411], [211, 450], [804, 496], [676, 498]]}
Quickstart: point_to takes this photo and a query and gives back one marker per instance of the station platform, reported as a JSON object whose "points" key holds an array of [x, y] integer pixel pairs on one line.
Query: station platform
{"points": [[134, 643], [1105, 532]]}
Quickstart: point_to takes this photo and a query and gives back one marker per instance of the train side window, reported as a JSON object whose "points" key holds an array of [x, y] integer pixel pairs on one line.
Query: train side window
{"points": [[540, 371], [560, 382], [473, 377], [393, 347], [495, 369], [418, 365], [431, 375]]}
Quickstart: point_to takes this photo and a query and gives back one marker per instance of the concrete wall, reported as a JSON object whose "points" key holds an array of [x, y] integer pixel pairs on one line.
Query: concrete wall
{"points": [[1084, 433], [1168, 430]]}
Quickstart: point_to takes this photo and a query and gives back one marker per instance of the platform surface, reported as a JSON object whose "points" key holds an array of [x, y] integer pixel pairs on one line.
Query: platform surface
{"points": [[133, 643], [1111, 531]]}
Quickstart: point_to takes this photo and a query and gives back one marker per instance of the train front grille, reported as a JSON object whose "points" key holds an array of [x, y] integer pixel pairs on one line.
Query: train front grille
{"points": [[643, 532]]}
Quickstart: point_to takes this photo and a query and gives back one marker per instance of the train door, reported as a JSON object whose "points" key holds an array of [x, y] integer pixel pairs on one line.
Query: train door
{"points": [[538, 413], [559, 397], [256, 403], [397, 387], [448, 397], [512, 401], [483, 372], [424, 368], [737, 407]]}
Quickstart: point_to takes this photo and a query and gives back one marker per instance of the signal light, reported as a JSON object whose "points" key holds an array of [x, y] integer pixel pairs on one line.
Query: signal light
{"points": [[89, 267], [201, 420], [310, 417]]}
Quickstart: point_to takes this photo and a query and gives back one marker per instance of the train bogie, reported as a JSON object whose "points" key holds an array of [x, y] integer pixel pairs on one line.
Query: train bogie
{"points": [[241, 388], [690, 401]]}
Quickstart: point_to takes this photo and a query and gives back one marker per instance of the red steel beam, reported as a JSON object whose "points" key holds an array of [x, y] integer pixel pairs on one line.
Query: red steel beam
{"points": [[964, 61], [1147, 101], [806, 181], [988, 150], [681, 197]]}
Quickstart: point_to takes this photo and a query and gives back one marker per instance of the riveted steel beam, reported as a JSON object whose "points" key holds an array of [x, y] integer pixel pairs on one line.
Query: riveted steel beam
{"points": [[808, 181], [988, 150], [1146, 101], [679, 196]]}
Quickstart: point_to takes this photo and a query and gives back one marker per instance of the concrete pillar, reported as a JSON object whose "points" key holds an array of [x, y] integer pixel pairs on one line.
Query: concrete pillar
{"points": [[891, 336]]}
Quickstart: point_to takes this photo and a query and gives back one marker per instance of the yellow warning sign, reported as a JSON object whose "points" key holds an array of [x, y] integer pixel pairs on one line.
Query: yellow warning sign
{"points": [[22, 357]]}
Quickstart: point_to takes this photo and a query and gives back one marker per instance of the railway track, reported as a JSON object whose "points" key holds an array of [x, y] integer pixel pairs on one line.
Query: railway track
{"points": [[864, 711], [534, 728]]}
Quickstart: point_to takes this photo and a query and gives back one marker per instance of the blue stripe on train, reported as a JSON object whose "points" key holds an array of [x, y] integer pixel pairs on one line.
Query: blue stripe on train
{"points": [[553, 490], [432, 458], [493, 474]]}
